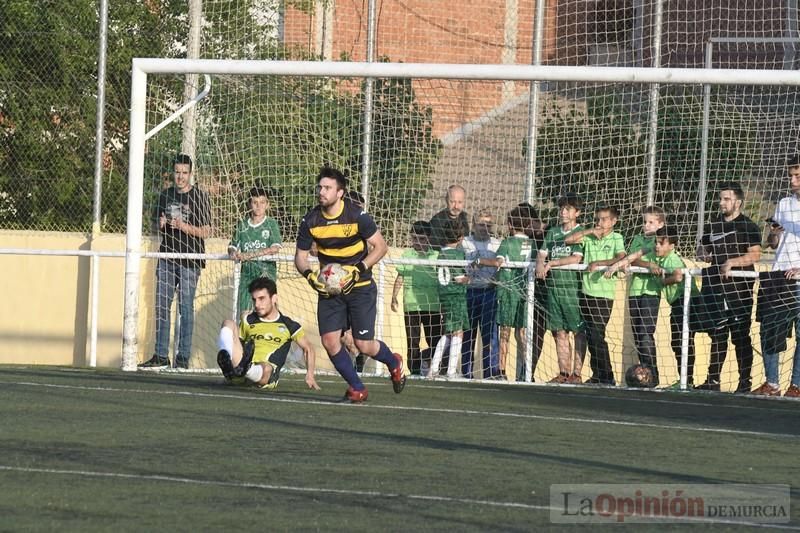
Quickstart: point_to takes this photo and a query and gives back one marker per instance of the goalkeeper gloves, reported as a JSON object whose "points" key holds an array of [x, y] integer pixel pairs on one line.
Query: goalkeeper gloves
{"points": [[355, 275], [316, 284]]}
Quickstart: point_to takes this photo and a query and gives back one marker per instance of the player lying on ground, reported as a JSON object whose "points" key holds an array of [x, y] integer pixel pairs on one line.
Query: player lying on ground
{"points": [[265, 335]]}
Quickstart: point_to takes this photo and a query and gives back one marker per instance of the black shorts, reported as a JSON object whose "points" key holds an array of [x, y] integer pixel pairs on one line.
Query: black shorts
{"points": [[356, 310]]}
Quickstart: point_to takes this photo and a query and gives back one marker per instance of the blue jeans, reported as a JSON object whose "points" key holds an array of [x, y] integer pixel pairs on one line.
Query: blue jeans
{"points": [[772, 360], [170, 276], [482, 311]]}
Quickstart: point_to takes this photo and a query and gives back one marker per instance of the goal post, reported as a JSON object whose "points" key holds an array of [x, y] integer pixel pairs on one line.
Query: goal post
{"points": [[445, 157]]}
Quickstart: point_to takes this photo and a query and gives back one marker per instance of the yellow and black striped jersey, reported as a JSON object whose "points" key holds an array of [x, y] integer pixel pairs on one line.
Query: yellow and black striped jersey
{"points": [[341, 238], [271, 339]]}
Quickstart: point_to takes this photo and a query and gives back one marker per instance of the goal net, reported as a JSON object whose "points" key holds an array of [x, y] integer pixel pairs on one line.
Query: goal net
{"points": [[601, 135]]}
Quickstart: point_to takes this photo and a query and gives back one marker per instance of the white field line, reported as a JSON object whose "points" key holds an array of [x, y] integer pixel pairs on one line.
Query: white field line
{"points": [[347, 492], [267, 398]]}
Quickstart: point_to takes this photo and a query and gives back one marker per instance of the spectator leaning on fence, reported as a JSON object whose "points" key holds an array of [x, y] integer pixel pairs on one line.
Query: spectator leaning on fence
{"points": [[779, 293], [453, 296], [730, 243], [563, 289], [643, 292], [602, 246], [183, 220], [481, 297], [666, 270], [536, 233], [422, 314]]}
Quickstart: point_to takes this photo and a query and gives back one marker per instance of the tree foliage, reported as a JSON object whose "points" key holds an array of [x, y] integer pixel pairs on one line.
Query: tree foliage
{"points": [[48, 87], [278, 130]]}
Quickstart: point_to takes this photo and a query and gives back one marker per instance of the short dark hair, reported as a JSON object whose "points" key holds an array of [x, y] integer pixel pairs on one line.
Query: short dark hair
{"points": [[184, 159], [667, 232], [793, 161], [612, 210], [421, 227], [333, 173], [732, 186], [263, 283], [571, 199], [519, 218], [655, 211], [452, 231], [255, 192], [528, 210]]}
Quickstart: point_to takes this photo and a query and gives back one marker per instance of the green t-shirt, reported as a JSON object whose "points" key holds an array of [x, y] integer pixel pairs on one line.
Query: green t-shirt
{"points": [[420, 282], [448, 287], [670, 263], [556, 248], [248, 238], [514, 248], [594, 249], [643, 284]]}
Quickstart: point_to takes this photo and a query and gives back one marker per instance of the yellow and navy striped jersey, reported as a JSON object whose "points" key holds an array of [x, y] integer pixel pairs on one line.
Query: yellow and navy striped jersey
{"points": [[341, 238], [271, 339]]}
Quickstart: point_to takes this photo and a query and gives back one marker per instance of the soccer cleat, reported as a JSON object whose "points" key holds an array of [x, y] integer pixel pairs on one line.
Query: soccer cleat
{"points": [[397, 375], [792, 392], [245, 364], [709, 384], [225, 364], [180, 363], [352, 395], [592, 381], [155, 362], [767, 389]]}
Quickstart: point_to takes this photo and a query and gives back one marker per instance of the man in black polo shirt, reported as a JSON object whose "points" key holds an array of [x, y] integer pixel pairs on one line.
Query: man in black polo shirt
{"points": [[731, 243]]}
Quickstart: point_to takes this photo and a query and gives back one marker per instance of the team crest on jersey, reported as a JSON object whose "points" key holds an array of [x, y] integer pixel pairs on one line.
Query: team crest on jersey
{"points": [[347, 230], [265, 234]]}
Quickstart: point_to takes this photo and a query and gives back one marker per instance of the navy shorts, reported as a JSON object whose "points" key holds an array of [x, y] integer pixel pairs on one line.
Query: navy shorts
{"points": [[356, 310]]}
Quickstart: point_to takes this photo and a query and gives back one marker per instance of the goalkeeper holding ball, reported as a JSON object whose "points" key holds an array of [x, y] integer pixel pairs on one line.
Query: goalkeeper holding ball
{"points": [[344, 233]]}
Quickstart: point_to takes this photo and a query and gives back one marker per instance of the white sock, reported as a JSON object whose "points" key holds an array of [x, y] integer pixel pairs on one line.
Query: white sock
{"points": [[455, 356], [225, 340], [441, 346], [255, 373]]}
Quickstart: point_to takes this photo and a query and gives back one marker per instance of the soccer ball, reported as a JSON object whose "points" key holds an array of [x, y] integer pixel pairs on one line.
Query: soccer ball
{"points": [[640, 377], [334, 276]]}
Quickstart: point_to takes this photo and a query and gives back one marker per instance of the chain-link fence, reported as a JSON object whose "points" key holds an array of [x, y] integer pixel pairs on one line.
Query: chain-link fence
{"points": [[49, 54]]}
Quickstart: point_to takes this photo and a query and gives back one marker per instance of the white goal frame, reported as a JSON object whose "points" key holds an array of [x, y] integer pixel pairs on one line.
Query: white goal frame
{"points": [[142, 67]]}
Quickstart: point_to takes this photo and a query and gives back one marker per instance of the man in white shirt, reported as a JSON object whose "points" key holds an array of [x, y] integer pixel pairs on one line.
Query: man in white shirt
{"points": [[779, 293], [481, 297]]}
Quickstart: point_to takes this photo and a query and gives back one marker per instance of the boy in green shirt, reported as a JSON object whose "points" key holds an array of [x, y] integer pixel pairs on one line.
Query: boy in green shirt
{"points": [[255, 236], [563, 289], [667, 268], [644, 291], [421, 309], [453, 297], [512, 287], [602, 246]]}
